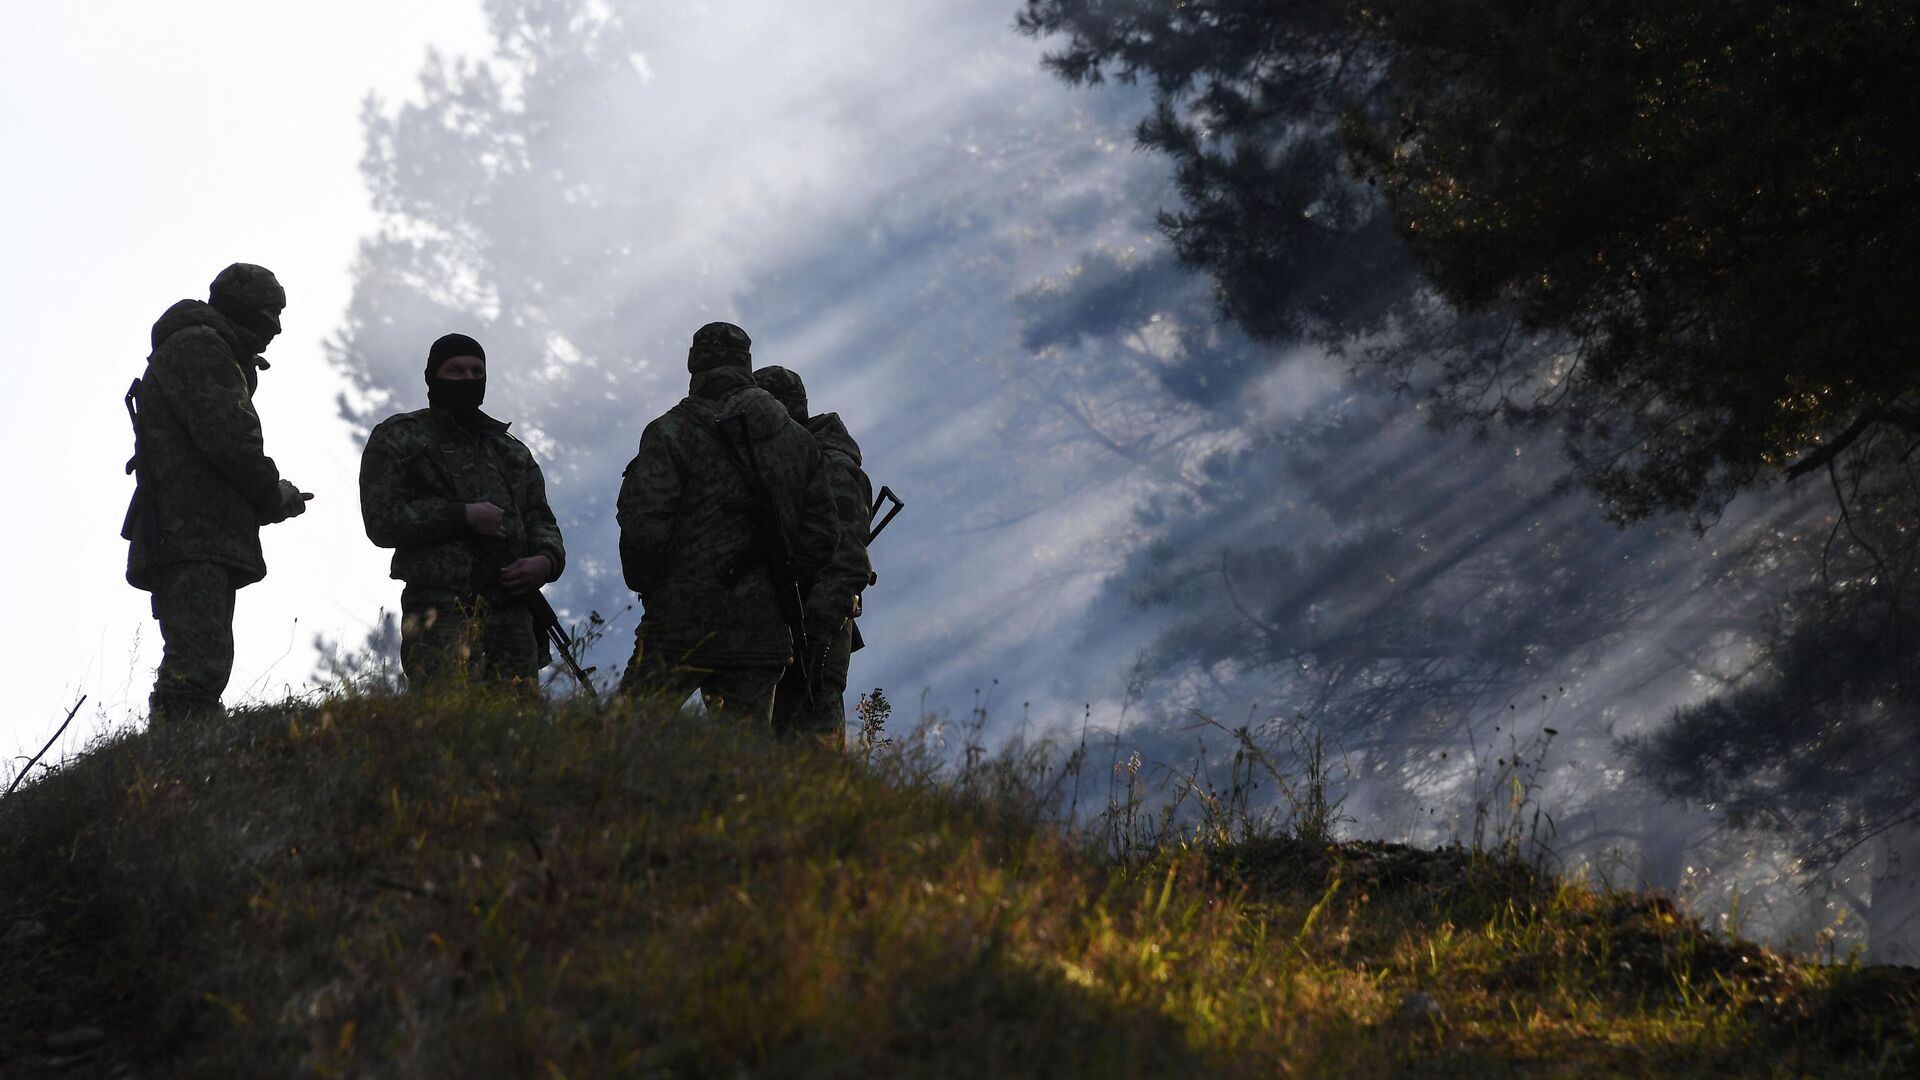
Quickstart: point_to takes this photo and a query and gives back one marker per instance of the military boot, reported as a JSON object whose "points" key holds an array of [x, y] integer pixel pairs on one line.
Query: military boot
{"points": [[168, 708]]}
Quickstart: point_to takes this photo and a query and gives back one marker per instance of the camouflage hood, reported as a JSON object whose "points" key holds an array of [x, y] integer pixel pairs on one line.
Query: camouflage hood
{"points": [[828, 430], [188, 314], [836, 591], [206, 484], [724, 393]]}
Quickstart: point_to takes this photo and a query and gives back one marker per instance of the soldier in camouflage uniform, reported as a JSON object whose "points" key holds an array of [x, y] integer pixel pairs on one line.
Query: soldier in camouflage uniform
{"points": [[687, 544], [206, 485], [833, 597], [464, 508]]}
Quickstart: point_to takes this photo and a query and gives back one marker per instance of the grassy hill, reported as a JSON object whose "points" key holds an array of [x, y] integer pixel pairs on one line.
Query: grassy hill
{"points": [[382, 887]]}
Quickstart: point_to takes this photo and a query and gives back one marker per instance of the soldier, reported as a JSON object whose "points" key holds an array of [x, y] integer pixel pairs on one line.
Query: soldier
{"points": [[206, 485], [833, 599], [688, 544], [464, 507]]}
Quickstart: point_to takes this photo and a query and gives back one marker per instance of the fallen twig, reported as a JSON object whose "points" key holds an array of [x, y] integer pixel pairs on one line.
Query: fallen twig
{"points": [[412, 890]]}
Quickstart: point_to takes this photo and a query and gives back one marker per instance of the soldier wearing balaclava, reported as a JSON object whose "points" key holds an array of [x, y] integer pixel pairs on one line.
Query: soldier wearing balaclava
{"points": [[464, 507], [205, 482]]}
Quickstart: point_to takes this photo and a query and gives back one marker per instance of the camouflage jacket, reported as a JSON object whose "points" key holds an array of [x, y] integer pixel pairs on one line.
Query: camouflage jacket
{"points": [[206, 482], [685, 518], [417, 475], [836, 590]]}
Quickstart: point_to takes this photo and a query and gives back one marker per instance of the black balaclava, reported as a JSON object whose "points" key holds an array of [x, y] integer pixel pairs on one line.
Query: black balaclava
{"points": [[461, 397], [251, 298]]}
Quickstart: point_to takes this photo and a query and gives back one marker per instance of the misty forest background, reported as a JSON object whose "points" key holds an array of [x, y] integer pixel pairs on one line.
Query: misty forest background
{"points": [[1425, 376]]}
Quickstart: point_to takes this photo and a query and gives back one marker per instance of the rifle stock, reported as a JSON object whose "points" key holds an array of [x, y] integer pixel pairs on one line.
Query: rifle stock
{"points": [[886, 495]]}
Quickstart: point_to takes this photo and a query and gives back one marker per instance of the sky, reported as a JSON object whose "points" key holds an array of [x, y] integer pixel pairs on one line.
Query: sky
{"points": [[896, 200], [149, 145], [872, 205], [168, 140], [959, 254]]}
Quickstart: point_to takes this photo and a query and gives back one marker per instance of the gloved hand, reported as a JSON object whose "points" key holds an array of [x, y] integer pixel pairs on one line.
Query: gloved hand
{"points": [[293, 502], [526, 575], [821, 633], [821, 637]]}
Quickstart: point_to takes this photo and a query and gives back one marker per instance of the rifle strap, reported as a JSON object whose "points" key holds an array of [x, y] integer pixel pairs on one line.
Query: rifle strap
{"points": [[772, 548], [755, 484], [753, 481]]}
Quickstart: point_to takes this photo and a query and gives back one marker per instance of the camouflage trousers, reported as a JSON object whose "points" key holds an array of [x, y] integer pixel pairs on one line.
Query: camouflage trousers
{"points": [[193, 602], [824, 718], [745, 692], [475, 643]]}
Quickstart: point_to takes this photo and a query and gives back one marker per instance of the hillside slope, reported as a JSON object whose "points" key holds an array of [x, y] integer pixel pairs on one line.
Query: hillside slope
{"points": [[381, 887]]}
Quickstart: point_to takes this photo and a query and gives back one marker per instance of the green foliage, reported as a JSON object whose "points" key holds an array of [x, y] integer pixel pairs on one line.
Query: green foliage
{"points": [[1247, 100], [381, 886], [1683, 233], [1816, 741], [1712, 203]]}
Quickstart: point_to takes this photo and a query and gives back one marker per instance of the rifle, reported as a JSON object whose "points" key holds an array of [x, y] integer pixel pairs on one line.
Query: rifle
{"points": [[886, 495], [143, 502], [771, 539], [492, 556], [486, 580]]}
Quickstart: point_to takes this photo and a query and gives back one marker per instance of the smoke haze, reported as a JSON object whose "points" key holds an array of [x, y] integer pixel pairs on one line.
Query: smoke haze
{"points": [[1118, 506]]}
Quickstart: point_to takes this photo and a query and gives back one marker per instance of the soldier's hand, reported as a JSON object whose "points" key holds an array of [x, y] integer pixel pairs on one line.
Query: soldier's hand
{"points": [[821, 632], [526, 575], [293, 501], [487, 519]]}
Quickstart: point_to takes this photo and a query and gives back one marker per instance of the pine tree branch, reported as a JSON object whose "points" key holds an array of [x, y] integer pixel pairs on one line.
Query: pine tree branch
{"points": [[1826, 453]]}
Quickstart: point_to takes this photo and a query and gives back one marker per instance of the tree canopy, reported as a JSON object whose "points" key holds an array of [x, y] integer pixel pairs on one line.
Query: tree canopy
{"points": [[1680, 235], [1692, 225], [1248, 100], [1713, 204]]}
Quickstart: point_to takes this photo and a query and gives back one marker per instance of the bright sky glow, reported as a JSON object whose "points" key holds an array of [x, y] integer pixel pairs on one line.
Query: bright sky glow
{"points": [[148, 145]]}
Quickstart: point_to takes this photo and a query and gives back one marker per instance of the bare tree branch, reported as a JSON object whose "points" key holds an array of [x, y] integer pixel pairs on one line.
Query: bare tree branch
{"points": [[1827, 452], [56, 738]]}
